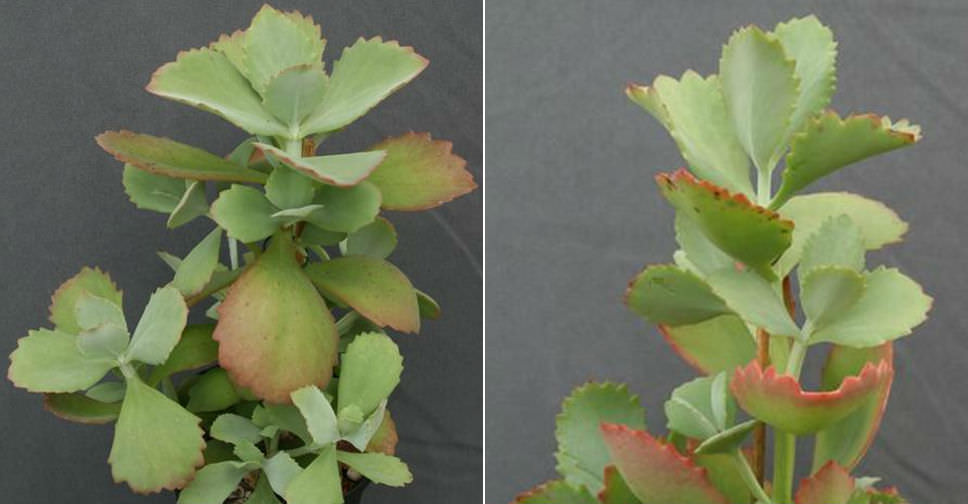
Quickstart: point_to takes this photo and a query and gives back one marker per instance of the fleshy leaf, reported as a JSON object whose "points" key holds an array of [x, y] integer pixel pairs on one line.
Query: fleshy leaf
{"points": [[829, 143], [369, 371], [346, 209], [703, 256], [287, 188], [701, 408], [582, 454], [318, 483], [195, 349], [891, 306], [50, 361], [847, 441], [106, 341], [193, 204], [755, 300], [838, 242], [157, 444], [92, 311], [373, 287], [811, 45], [213, 391], [428, 306], [281, 470], [275, 332], [780, 401], [318, 412], [719, 344], [365, 74], [760, 86], [724, 473], [385, 439], [64, 300], [698, 122], [420, 173], [832, 484], [235, 429], [244, 213], [376, 239], [342, 170], [668, 295], [655, 472], [276, 41], [160, 327], [556, 492], [196, 269], [79, 408], [878, 224], [616, 491], [829, 292], [748, 233], [152, 192], [206, 79], [377, 467], [163, 156], [728, 440], [294, 93], [213, 483]]}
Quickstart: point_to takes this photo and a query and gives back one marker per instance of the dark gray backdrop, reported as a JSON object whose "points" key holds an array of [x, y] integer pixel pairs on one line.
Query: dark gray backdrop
{"points": [[573, 212], [69, 70]]}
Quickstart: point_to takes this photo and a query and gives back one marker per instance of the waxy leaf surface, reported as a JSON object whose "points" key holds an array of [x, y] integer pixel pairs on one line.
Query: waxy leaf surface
{"points": [[558, 492], [276, 41], [377, 467], [838, 242], [718, 344], [701, 408], [369, 371], [672, 296], [196, 269], [195, 349], [79, 408], [244, 213], [152, 192], [827, 293], [342, 170], [160, 327], [346, 209], [294, 93], [318, 412], [755, 300], [63, 304], [50, 361], [376, 239], [616, 491], [213, 483], [318, 483], [420, 173], [832, 484]]}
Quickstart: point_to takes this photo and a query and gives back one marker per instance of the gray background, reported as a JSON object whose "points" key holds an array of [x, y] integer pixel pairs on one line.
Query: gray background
{"points": [[69, 70], [573, 212]]}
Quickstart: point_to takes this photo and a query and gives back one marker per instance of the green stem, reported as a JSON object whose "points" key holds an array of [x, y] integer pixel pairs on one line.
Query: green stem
{"points": [[784, 443], [234, 253], [764, 187], [749, 477]]}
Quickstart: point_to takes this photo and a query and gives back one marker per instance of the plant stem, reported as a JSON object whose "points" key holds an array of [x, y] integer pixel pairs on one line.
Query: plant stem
{"points": [[764, 187], [759, 434], [784, 443], [234, 253], [750, 479]]}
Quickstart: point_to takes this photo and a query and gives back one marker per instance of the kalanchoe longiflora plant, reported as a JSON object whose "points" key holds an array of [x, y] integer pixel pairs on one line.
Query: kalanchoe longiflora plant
{"points": [[727, 304], [289, 390]]}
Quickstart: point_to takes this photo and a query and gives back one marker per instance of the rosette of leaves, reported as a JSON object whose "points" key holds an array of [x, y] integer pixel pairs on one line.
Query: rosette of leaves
{"points": [[760, 277]]}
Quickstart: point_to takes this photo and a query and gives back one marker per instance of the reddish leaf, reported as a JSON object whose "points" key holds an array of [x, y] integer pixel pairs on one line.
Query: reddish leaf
{"points": [[832, 484], [616, 491], [555, 492], [656, 473], [385, 440]]}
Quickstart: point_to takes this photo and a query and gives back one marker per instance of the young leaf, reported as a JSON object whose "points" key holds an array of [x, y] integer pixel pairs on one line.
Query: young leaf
{"points": [[160, 327], [195, 349], [760, 86], [654, 472], [163, 156], [152, 192], [213, 483], [244, 213], [373, 287], [106, 341], [558, 492], [342, 170], [376, 239], [346, 209], [281, 469], [838, 242], [294, 93], [157, 444], [192, 205], [287, 188], [701, 408], [755, 300], [194, 272], [50, 361], [718, 344], [428, 306], [206, 79], [669, 295], [365, 74], [64, 300], [356, 430], [703, 255], [811, 45], [419, 173], [213, 391], [275, 332], [92, 311], [319, 414], [320, 482], [377, 467], [369, 371], [891, 306], [829, 143], [727, 441], [828, 293], [832, 484], [79, 408], [276, 41], [235, 429], [582, 454]]}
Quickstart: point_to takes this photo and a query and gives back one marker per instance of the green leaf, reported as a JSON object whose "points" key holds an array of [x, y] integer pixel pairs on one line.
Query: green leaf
{"points": [[648, 98], [263, 493], [360, 434], [760, 86], [369, 371], [315, 235], [838, 242], [157, 443], [878, 224], [275, 332], [557, 492], [107, 341], [377, 467], [82, 409], [50, 361], [320, 482], [827, 293], [276, 41], [428, 306], [373, 287], [376, 239], [318, 412], [193, 204], [700, 125], [107, 392], [582, 454], [91, 311], [891, 306], [249, 452], [197, 268], [701, 408], [294, 93], [724, 473], [719, 344], [244, 213], [64, 300], [702, 255], [206, 79], [213, 483], [287, 188], [729, 440], [420, 173], [665, 294], [195, 349], [365, 74], [616, 491], [832, 484], [811, 45], [163, 156], [346, 209], [281, 469], [160, 327], [748, 233], [293, 215], [286, 417], [152, 192], [755, 300], [213, 391], [235, 429], [342, 170], [829, 143]]}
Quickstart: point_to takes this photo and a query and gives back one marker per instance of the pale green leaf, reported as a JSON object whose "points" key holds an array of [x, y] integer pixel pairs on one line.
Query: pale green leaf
{"points": [[828, 292], [420, 173], [376, 239], [669, 295], [377, 467], [276, 41], [91, 311], [318, 412], [718, 344], [213, 391], [249, 452], [213, 483], [294, 93], [755, 300], [281, 469], [160, 327], [194, 272], [811, 45], [287, 188], [263, 493], [727, 441], [79, 408], [193, 204], [361, 434], [320, 483], [838, 242], [50, 361], [292, 215], [286, 417], [701, 408], [107, 392], [369, 371], [342, 170], [244, 213], [194, 350], [346, 209], [107, 341], [64, 299], [233, 429], [648, 98], [152, 192], [701, 253]]}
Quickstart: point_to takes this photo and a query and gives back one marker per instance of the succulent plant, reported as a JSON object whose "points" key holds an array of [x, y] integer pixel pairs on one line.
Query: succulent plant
{"points": [[760, 278], [286, 393]]}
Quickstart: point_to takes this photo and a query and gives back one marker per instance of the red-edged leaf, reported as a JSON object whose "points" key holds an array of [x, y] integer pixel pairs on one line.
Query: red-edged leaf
{"points": [[342, 170], [655, 472], [780, 401], [419, 173], [373, 287], [847, 441], [275, 332], [79, 408], [616, 491], [832, 484], [555, 492], [719, 344], [88, 280], [385, 440]]}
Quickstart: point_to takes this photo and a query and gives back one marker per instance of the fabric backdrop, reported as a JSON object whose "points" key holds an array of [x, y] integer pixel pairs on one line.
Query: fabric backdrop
{"points": [[69, 70], [573, 213]]}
